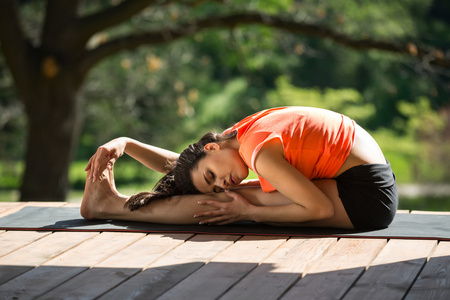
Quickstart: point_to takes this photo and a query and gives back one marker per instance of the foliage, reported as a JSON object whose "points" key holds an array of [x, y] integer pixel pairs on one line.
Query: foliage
{"points": [[426, 203], [12, 120], [428, 129], [10, 174], [410, 147], [346, 101], [169, 94], [419, 119]]}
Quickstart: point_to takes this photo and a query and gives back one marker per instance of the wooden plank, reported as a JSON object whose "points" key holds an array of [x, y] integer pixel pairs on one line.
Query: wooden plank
{"points": [[13, 240], [46, 204], [10, 207], [5, 207], [417, 212], [281, 269], [117, 268], [393, 271], [34, 254], [73, 204], [93, 251], [145, 251], [172, 268], [37, 281], [337, 270], [227, 268], [434, 280], [67, 265]]}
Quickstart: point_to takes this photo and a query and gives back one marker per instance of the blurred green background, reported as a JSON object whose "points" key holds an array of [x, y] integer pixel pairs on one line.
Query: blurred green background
{"points": [[169, 94]]}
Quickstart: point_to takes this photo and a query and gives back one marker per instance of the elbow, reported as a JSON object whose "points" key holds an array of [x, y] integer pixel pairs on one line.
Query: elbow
{"points": [[324, 212]]}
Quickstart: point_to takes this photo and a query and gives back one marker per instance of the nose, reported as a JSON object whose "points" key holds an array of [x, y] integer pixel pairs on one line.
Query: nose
{"points": [[221, 183]]}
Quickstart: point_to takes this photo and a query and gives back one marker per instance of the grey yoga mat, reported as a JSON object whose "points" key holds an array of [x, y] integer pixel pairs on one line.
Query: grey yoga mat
{"points": [[409, 226]]}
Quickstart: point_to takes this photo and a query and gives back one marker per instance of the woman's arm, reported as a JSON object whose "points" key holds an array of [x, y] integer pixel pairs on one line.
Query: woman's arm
{"points": [[297, 199], [153, 157], [309, 202]]}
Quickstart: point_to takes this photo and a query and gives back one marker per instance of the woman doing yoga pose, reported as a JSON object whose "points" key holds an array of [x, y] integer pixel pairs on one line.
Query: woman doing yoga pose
{"points": [[315, 167]]}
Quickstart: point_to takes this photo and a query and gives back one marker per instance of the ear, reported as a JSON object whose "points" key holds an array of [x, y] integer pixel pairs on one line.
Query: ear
{"points": [[211, 147]]}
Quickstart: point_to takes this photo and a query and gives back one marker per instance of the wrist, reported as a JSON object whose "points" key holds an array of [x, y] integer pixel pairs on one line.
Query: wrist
{"points": [[253, 213], [223, 197], [128, 145]]}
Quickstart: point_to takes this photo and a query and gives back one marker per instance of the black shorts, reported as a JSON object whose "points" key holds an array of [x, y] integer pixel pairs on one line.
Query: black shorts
{"points": [[369, 195]]}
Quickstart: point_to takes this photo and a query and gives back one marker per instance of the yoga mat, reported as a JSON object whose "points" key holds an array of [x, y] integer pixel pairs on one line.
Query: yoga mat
{"points": [[409, 226]]}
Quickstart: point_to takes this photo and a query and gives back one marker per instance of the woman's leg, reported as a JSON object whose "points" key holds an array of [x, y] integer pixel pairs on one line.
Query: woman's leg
{"points": [[101, 200], [340, 218]]}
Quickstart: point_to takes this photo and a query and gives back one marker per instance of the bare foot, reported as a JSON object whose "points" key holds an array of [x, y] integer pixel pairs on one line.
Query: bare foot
{"points": [[101, 200], [112, 183]]}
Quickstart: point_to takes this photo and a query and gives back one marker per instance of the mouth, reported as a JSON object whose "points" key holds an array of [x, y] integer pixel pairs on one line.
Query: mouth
{"points": [[233, 181]]}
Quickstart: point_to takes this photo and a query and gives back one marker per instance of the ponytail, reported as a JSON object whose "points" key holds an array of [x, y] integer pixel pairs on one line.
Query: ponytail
{"points": [[178, 180], [164, 188]]}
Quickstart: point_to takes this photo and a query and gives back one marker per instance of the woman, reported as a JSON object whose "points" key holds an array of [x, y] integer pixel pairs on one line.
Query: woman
{"points": [[315, 168]]}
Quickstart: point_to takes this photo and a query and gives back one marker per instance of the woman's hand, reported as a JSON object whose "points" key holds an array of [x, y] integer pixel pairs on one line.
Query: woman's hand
{"points": [[105, 157], [227, 212]]}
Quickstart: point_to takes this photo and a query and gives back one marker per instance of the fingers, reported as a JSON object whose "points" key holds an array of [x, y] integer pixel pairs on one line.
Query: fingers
{"points": [[210, 213], [111, 162], [221, 220], [88, 167], [101, 160], [212, 216], [219, 216], [231, 194], [97, 169], [212, 203]]}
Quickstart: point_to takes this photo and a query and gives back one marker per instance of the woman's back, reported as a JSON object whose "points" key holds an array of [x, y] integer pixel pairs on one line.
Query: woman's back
{"points": [[315, 141]]}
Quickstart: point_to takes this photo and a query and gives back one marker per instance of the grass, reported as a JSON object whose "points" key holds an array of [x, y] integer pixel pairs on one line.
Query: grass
{"points": [[9, 195], [74, 195], [426, 203], [130, 177]]}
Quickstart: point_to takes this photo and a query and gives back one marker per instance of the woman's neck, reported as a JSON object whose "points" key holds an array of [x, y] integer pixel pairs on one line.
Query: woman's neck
{"points": [[232, 143]]}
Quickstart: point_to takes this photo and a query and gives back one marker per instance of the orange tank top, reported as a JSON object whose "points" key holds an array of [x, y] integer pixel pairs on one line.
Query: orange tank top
{"points": [[315, 141]]}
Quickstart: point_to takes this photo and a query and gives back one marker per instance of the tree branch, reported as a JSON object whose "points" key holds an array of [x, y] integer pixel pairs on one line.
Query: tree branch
{"points": [[166, 35], [89, 25], [60, 16], [17, 50]]}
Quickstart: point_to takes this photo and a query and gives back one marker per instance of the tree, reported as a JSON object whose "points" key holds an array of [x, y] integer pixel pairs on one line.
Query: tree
{"points": [[49, 71]]}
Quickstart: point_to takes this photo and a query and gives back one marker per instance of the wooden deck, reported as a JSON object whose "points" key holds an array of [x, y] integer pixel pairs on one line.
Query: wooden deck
{"points": [[111, 265]]}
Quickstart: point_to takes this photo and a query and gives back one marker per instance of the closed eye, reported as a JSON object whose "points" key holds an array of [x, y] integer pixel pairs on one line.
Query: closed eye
{"points": [[211, 177], [216, 189]]}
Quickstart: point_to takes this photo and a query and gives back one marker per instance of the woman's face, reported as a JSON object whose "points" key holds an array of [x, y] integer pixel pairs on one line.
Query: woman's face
{"points": [[220, 169]]}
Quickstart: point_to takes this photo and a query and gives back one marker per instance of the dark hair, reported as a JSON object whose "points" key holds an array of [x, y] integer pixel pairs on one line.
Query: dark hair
{"points": [[178, 180]]}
